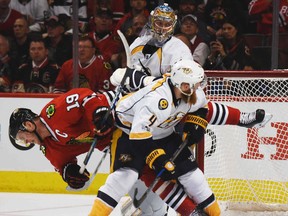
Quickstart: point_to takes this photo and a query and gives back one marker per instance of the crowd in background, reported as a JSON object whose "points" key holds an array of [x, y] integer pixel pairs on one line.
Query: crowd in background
{"points": [[36, 38]]}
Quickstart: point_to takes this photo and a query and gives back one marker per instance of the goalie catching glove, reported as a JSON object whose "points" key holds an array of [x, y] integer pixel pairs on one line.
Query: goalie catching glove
{"points": [[195, 124], [135, 79], [72, 176], [158, 160]]}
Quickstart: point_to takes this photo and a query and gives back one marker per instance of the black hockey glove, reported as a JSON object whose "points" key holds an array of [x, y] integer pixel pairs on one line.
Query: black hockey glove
{"points": [[72, 176], [134, 80], [195, 125], [102, 126], [158, 160]]}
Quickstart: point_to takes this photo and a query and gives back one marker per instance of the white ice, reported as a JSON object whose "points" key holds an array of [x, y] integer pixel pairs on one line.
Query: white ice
{"points": [[29, 204]]}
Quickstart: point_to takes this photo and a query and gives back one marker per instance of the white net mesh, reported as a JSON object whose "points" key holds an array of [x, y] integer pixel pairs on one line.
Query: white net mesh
{"points": [[248, 168]]}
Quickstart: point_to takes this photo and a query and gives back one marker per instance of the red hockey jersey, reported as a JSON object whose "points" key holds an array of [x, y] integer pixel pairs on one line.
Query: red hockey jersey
{"points": [[69, 119]]}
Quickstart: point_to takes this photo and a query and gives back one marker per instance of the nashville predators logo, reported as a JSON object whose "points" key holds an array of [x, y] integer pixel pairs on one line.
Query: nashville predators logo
{"points": [[50, 111], [163, 104], [124, 158]]}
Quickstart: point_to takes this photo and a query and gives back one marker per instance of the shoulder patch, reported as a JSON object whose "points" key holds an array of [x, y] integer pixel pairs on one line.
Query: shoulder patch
{"points": [[163, 104], [50, 111]]}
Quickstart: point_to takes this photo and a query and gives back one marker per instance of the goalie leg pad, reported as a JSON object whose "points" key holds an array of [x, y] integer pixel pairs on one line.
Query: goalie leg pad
{"points": [[153, 204], [100, 208]]}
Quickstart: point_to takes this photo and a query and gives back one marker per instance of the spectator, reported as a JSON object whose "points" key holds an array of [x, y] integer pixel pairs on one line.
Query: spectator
{"points": [[21, 41], [65, 7], [262, 12], [103, 38], [190, 7], [94, 72], [7, 66], [139, 21], [34, 9], [39, 74], [217, 11], [59, 44], [7, 18], [137, 7], [231, 51], [117, 8], [199, 49]]}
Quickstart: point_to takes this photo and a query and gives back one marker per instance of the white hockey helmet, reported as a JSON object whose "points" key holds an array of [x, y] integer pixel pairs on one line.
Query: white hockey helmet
{"points": [[186, 71], [163, 20]]}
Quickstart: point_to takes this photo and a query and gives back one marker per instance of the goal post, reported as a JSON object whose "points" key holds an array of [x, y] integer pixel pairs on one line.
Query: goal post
{"points": [[247, 167]]}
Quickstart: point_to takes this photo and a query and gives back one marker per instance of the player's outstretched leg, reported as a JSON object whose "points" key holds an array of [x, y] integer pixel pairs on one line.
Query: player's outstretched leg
{"points": [[220, 114], [256, 119]]}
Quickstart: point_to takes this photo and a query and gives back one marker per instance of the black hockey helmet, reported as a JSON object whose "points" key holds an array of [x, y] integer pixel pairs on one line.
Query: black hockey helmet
{"points": [[17, 118]]}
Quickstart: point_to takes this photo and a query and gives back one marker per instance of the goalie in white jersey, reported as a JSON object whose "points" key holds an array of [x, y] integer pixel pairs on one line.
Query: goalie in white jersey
{"points": [[147, 119]]}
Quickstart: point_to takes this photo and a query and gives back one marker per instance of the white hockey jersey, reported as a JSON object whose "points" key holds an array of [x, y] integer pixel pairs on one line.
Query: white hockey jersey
{"points": [[152, 112], [160, 61]]}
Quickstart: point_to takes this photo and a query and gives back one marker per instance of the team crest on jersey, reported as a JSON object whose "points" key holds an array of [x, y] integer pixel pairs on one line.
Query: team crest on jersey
{"points": [[124, 158], [82, 138], [163, 104], [50, 111]]}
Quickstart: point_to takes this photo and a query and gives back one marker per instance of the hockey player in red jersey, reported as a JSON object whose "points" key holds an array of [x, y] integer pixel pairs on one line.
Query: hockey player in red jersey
{"points": [[64, 129]]}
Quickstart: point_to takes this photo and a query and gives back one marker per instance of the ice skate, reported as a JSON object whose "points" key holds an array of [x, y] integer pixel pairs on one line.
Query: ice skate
{"points": [[255, 119]]}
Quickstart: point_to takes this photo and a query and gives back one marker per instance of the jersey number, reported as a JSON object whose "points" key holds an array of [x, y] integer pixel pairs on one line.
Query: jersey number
{"points": [[72, 100]]}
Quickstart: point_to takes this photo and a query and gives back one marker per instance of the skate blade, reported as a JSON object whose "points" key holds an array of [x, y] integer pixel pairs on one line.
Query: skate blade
{"points": [[266, 119]]}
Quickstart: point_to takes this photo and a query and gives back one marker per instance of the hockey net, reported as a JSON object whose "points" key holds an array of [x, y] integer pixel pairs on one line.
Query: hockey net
{"points": [[248, 168]]}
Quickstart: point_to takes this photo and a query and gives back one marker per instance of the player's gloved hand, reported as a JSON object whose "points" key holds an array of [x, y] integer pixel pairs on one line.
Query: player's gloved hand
{"points": [[72, 176], [135, 79], [158, 160], [102, 126], [195, 125]]}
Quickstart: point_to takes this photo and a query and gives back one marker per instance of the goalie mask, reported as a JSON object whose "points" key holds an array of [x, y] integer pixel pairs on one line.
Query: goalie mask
{"points": [[163, 21], [186, 71], [16, 124]]}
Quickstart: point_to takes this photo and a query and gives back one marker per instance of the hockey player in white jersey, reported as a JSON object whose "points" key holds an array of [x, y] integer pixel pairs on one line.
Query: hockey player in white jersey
{"points": [[153, 53], [146, 120]]}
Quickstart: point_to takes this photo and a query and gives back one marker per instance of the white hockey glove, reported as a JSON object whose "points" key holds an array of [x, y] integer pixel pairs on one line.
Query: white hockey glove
{"points": [[134, 81]]}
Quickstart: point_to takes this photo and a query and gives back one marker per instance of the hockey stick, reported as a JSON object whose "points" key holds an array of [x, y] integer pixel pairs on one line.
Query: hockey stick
{"points": [[113, 104], [116, 98], [137, 202], [87, 184]]}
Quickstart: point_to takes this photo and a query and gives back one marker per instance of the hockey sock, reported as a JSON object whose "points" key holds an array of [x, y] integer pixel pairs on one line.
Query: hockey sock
{"points": [[100, 208], [220, 114], [171, 193]]}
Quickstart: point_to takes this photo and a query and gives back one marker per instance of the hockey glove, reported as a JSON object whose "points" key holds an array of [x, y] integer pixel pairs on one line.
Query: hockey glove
{"points": [[195, 125], [72, 176], [102, 126], [158, 160], [134, 81]]}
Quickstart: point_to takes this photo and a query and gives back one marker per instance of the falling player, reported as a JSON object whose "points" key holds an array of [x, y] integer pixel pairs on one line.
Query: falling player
{"points": [[80, 111]]}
